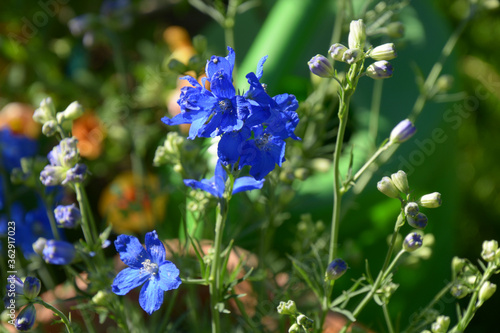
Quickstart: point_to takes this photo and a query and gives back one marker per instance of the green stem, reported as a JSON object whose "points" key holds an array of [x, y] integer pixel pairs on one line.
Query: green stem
{"points": [[86, 220], [64, 319], [387, 318], [375, 109]]}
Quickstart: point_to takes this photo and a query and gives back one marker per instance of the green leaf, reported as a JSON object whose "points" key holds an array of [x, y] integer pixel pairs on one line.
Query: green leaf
{"points": [[346, 313]]}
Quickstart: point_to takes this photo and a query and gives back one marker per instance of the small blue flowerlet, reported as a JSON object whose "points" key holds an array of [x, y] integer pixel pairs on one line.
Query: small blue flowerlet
{"points": [[379, 70], [402, 132], [418, 221], [58, 252], [320, 66], [26, 318], [63, 167], [67, 216], [216, 185], [146, 266], [335, 269], [31, 287]]}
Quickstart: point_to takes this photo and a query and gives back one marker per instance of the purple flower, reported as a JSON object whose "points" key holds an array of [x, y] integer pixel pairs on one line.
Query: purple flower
{"points": [[403, 131], [146, 266], [412, 242], [379, 70], [67, 216], [58, 252], [320, 66], [335, 269]]}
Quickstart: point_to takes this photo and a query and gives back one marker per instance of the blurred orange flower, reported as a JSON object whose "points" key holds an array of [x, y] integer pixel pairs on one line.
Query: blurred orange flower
{"points": [[90, 134], [130, 207], [19, 118]]}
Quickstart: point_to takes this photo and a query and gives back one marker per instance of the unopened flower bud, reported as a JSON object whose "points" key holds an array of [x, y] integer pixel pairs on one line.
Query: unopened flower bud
{"points": [[459, 291], [384, 52], [402, 132], [26, 318], [487, 290], [411, 209], [67, 216], [400, 180], [352, 56], [288, 308], [431, 200], [386, 186], [357, 35], [444, 83], [320, 66], [49, 128], [335, 269], [379, 70], [294, 328], [31, 287], [418, 222], [337, 51], [395, 30], [489, 250], [413, 241], [58, 252], [72, 112], [456, 265], [39, 245], [441, 324], [101, 298], [45, 112]]}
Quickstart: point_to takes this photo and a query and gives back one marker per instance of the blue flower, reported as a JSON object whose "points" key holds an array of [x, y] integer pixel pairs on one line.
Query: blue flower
{"points": [[67, 216], [63, 167], [26, 318], [215, 111], [147, 266], [216, 185], [13, 147], [58, 252]]}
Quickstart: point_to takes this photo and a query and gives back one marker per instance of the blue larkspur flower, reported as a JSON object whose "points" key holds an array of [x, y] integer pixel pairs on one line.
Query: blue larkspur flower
{"points": [[58, 252], [146, 266], [216, 185], [63, 167], [215, 111]]}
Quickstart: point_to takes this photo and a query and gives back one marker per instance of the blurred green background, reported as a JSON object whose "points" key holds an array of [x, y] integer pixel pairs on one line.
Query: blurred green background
{"points": [[39, 57]]}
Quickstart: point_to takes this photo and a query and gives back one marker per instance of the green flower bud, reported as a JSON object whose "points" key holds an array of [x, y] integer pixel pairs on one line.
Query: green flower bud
{"points": [[383, 52], [489, 250], [45, 112], [39, 245], [357, 35], [459, 291], [487, 290], [72, 112], [352, 56], [49, 128], [457, 264], [386, 186], [295, 328], [411, 209], [288, 308], [31, 287], [431, 200], [444, 83], [337, 51], [101, 298], [418, 221], [441, 324], [401, 181]]}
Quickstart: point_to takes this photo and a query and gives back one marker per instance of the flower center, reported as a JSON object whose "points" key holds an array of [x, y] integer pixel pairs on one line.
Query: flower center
{"points": [[262, 141], [225, 104], [150, 267]]}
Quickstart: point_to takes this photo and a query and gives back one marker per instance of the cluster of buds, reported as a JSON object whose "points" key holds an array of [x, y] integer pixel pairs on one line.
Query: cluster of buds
{"points": [[397, 187], [53, 121], [20, 293], [170, 152], [380, 69], [301, 321], [468, 278]]}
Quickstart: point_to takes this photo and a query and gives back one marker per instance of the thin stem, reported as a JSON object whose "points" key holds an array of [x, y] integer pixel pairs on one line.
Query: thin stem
{"points": [[375, 109], [387, 318], [86, 220], [64, 319], [215, 280]]}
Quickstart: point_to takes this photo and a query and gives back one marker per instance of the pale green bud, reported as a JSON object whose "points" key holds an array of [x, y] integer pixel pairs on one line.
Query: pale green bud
{"points": [[294, 328], [441, 324], [444, 83], [431, 200], [337, 51], [402, 131], [357, 35], [101, 298], [49, 128], [288, 308], [487, 290], [352, 56], [411, 209], [457, 264], [489, 250], [459, 291], [384, 52], [379, 70], [72, 112], [386, 186], [45, 112], [401, 181]]}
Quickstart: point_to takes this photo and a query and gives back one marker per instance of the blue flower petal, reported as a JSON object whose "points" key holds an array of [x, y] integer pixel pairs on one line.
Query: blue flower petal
{"points": [[260, 66], [216, 64], [229, 148], [222, 85], [155, 247], [151, 296], [169, 276], [131, 251], [207, 185], [247, 184], [220, 178], [128, 279]]}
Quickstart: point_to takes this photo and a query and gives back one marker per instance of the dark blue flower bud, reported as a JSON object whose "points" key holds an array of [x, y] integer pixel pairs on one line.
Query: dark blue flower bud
{"points": [[412, 242], [31, 287], [67, 216], [335, 269], [26, 318], [419, 221], [320, 66]]}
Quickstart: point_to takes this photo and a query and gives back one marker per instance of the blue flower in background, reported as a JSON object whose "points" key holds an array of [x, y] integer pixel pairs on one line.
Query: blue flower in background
{"points": [[216, 185], [13, 147], [147, 266], [58, 252]]}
